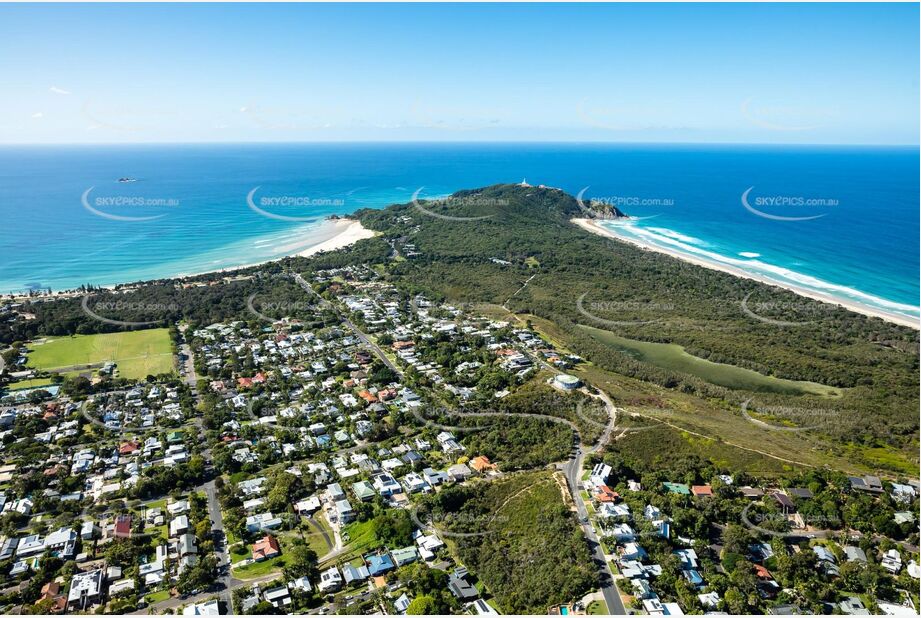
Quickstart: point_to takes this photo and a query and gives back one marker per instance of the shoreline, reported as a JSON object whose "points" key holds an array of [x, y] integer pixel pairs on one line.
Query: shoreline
{"points": [[353, 232], [350, 232], [591, 226]]}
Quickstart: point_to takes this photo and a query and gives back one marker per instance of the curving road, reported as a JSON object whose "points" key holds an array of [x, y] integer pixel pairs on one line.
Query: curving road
{"points": [[572, 469]]}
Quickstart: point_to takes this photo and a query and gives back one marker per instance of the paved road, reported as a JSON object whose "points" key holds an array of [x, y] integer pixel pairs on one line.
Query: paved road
{"points": [[220, 543], [351, 326], [573, 471], [187, 368], [313, 524]]}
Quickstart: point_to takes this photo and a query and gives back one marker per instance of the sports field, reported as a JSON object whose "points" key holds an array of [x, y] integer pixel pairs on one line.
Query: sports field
{"points": [[137, 353]]}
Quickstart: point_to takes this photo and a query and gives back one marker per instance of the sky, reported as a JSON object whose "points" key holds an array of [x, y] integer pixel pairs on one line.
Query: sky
{"points": [[710, 73]]}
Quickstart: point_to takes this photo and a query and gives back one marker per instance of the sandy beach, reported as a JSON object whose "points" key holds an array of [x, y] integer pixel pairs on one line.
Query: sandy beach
{"points": [[352, 232], [345, 232], [592, 226]]}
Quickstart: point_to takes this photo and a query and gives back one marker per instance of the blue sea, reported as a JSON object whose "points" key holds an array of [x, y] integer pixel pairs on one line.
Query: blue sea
{"points": [[838, 220]]}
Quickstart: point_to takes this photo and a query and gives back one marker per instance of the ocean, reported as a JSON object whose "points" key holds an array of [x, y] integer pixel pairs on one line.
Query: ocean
{"points": [[840, 220]]}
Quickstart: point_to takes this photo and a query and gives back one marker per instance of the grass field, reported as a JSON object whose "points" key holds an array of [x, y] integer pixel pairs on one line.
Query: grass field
{"points": [[596, 608], [361, 540], [137, 353], [674, 358], [240, 551], [259, 569], [30, 383], [315, 540], [709, 418], [156, 597]]}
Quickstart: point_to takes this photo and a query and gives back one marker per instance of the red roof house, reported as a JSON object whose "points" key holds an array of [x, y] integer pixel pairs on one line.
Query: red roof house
{"points": [[701, 490], [265, 548], [123, 526], [128, 447], [606, 494]]}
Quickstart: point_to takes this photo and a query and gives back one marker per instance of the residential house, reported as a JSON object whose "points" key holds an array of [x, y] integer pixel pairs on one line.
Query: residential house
{"points": [[330, 580], [86, 590], [279, 597], [459, 473], [266, 548]]}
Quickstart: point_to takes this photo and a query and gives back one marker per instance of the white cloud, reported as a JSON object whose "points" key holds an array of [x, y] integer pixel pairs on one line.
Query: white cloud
{"points": [[57, 90], [38, 115]]}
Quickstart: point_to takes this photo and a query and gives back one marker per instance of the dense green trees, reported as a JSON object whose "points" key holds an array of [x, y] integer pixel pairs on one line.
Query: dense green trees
{"points": [[394, 528], [300, 561], [422, 606], [516, 443], [430, 585], [654, 297], [520, 539], [669, 301]]}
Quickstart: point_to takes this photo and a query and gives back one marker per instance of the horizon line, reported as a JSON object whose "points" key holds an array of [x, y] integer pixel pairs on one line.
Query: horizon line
{"points": [[470, 142]]}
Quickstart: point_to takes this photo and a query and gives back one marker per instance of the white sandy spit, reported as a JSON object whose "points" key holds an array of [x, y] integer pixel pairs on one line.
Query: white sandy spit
{"points": [[352, 232], [593, 227]]}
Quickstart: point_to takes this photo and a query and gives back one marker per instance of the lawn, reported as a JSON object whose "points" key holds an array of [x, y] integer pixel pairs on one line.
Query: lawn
{"points": [[315, 539], [596, 608], [258, 569], [29, 383], [137, 353], [156, 597], [240, 551], [361, 540], [673, 357]]}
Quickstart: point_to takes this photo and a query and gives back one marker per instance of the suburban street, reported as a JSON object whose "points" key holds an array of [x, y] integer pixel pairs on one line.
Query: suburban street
{"points": [[351, 326], [573, 471]]}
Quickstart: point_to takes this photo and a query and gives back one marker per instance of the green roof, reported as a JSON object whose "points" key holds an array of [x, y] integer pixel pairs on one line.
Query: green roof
{"points": [[363, 490], [677, 488]]}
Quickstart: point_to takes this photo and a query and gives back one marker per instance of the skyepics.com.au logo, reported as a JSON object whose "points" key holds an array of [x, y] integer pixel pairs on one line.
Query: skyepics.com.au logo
{"points": [[456, 525], [438, 418], [593, 414], [596, 415], [103, 310], [447, 203], [272, 207], [779, 524], [265, 309], [130, 117], [460, 119], [782, 313], [807, 418], [631, 206], [622, 307], [278, 118], [778, 207], [113, 207], [643, 116]]}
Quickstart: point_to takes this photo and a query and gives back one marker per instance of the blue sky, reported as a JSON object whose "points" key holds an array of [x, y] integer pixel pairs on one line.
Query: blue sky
{"points": [[761, 73]]}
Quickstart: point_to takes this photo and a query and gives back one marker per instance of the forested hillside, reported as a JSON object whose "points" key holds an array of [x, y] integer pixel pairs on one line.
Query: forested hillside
{"points": [[520, 234], [483, 246]]}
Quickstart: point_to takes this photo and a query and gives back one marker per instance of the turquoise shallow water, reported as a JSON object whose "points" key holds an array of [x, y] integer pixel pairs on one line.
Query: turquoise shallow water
{"points": [[856, 233]]}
